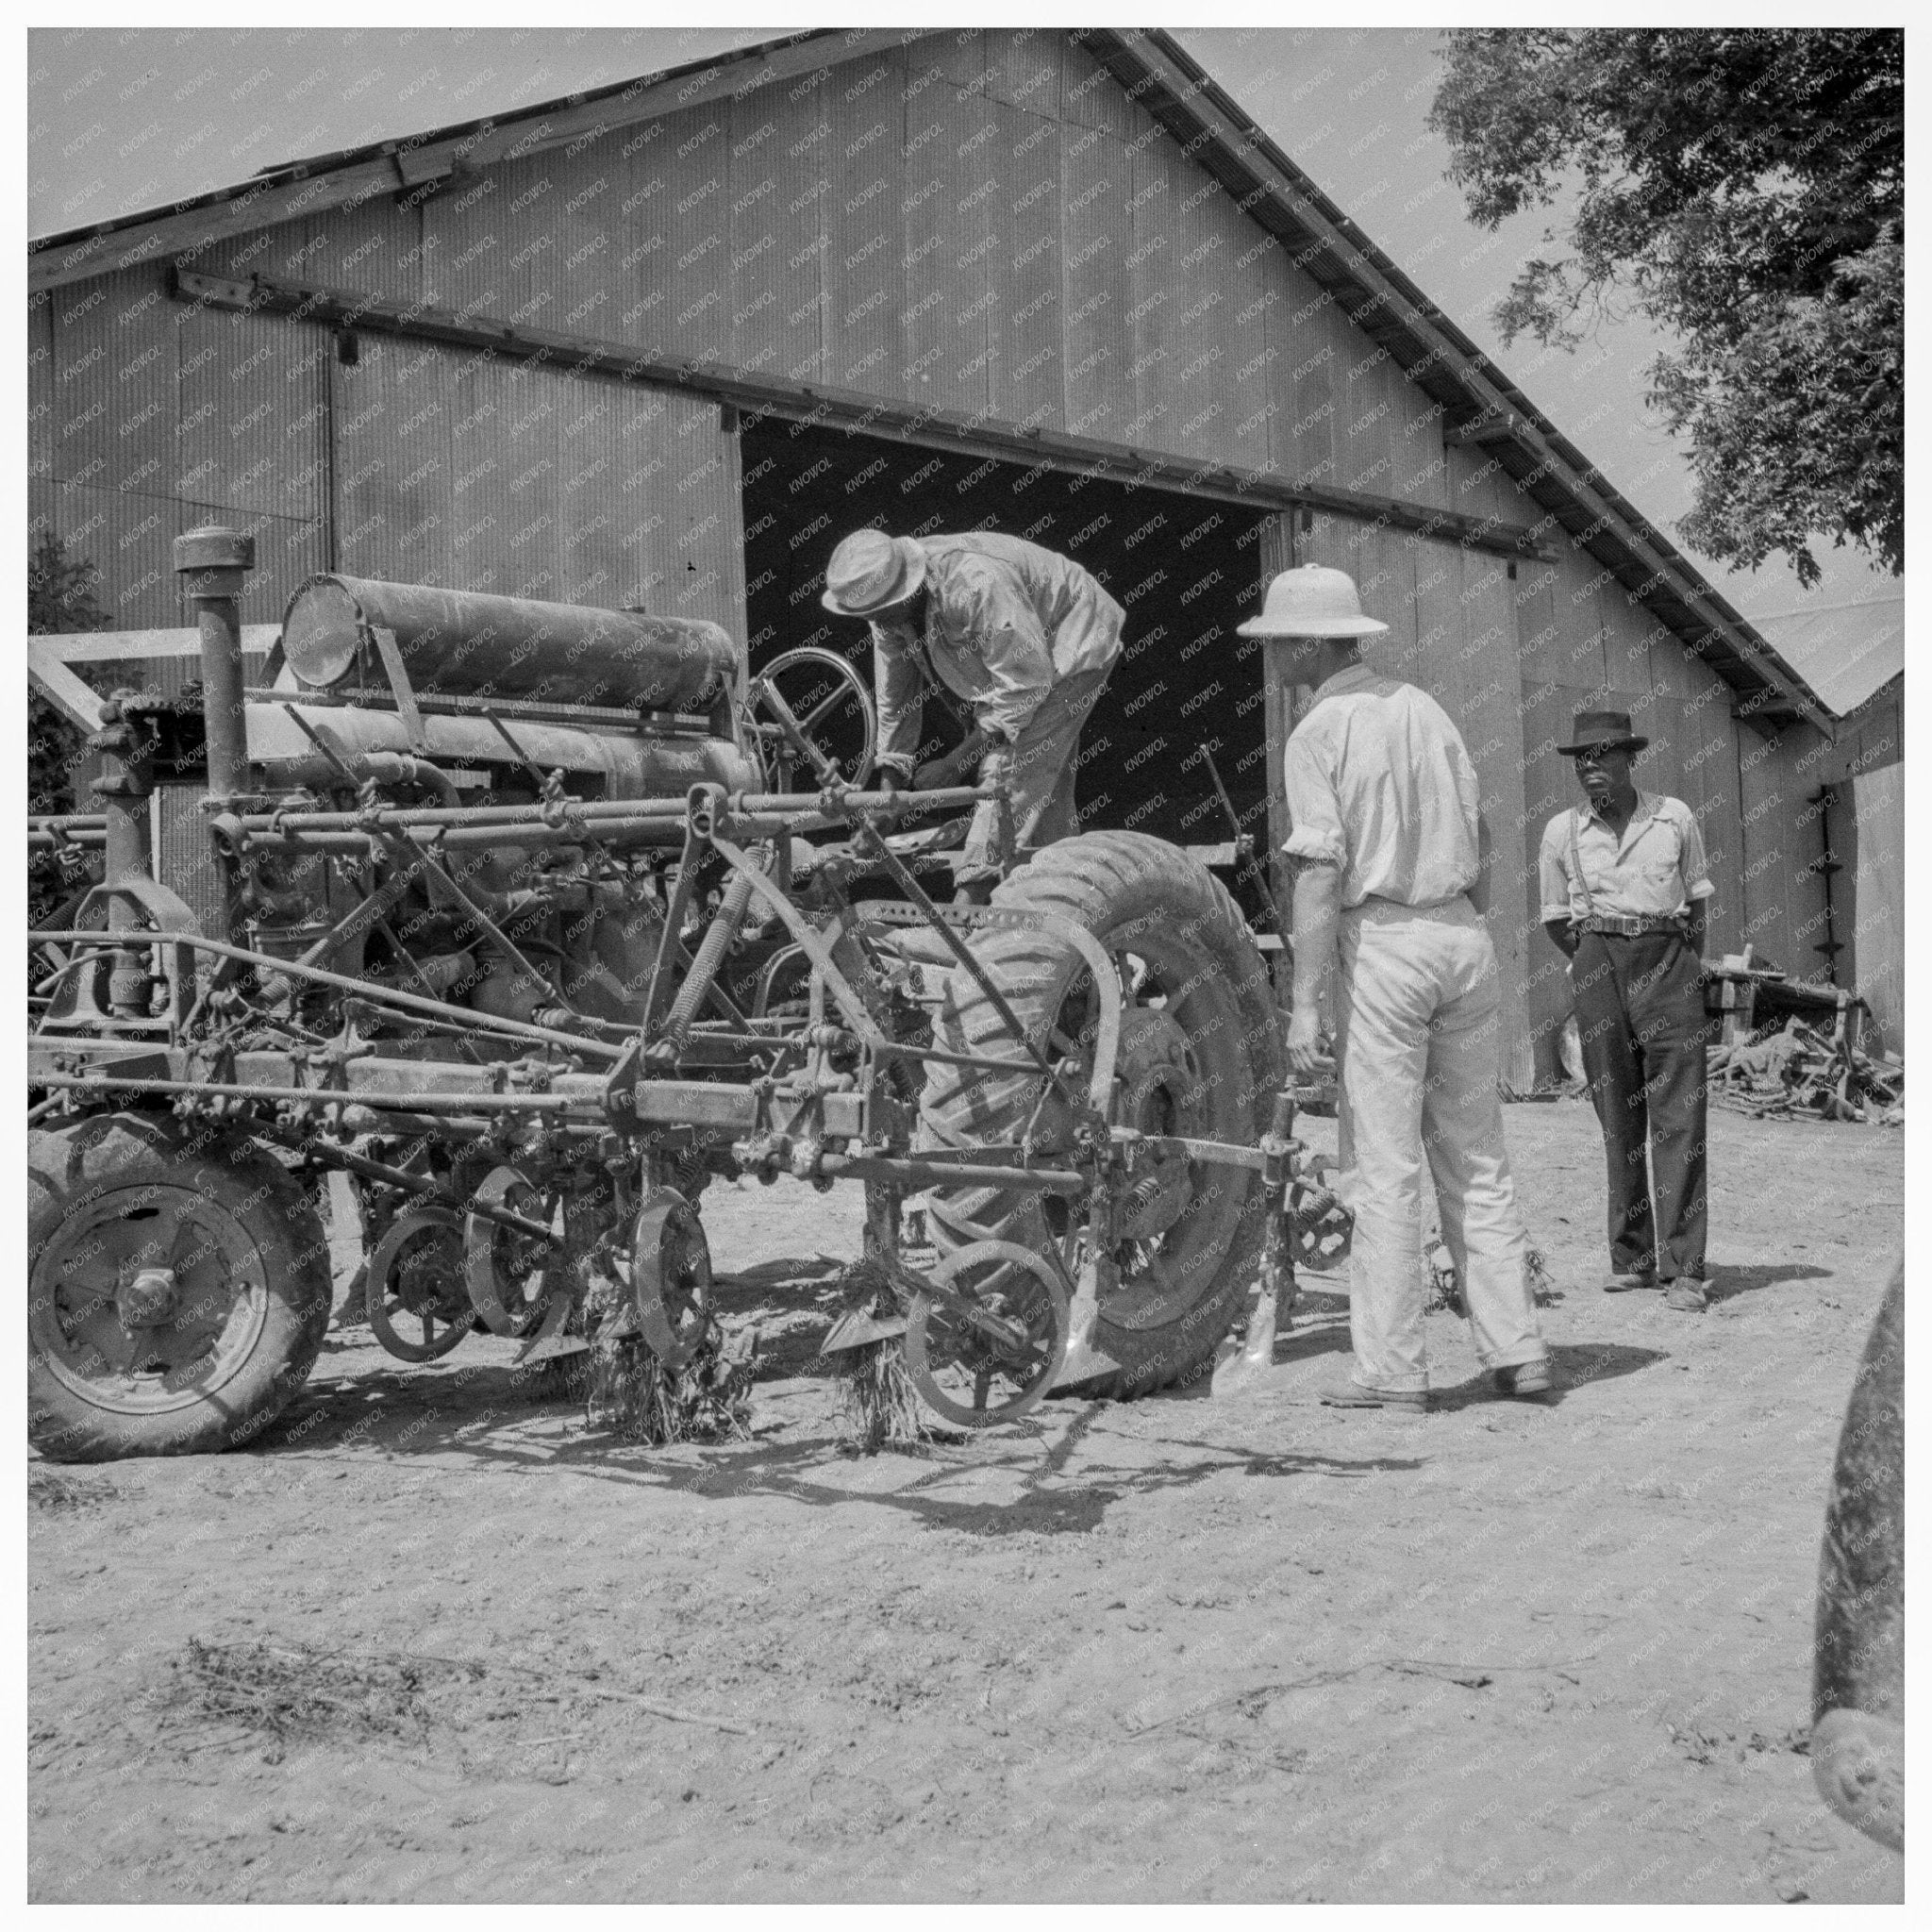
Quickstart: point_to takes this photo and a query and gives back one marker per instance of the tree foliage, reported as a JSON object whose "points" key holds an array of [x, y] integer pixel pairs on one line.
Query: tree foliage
{"points": [[1746, 187], [62, 594]]}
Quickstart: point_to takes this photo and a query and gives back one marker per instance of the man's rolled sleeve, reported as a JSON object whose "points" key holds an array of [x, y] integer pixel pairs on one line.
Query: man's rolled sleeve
{"points": [[1553, 870], [899, 684], [1693, 860], [1314, 811]]}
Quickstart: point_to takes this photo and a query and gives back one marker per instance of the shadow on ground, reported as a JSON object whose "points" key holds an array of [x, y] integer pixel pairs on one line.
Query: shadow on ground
{"points": [[493, 1416], [1753, 1277], [1576, 1364]]}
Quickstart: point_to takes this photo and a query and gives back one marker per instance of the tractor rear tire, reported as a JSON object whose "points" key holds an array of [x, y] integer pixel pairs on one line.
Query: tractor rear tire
{"points": [[213, 1249], [1139, 897]]}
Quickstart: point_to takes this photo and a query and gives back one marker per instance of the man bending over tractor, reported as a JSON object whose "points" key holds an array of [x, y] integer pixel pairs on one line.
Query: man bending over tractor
{"points": [[1023, 635]]}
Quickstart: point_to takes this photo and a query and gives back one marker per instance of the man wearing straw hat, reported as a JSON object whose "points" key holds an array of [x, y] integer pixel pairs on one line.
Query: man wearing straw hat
{"points": [[1023, 635], [1382, 799], [1624, 884]]}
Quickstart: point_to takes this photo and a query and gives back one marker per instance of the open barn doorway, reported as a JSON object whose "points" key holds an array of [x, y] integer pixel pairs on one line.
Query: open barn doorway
{"points": [[1187, 569]]}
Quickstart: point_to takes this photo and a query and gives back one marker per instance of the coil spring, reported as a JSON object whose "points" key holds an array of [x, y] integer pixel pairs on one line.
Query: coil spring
{"points": [[690, 1175]]}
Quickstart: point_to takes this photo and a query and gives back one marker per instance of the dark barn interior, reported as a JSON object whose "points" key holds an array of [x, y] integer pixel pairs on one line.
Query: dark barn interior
{"points": [[1187, 569]]}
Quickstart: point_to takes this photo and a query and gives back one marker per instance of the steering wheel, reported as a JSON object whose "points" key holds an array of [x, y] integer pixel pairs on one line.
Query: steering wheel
{"points": [[811, 701]]}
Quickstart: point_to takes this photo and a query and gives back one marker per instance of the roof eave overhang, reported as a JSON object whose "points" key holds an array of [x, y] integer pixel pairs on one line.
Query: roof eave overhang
{"points": [[1158, 71], [416, 165], [1481, 402]]}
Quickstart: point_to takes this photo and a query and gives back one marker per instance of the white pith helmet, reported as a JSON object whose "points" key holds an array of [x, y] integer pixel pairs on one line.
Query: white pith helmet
{"points": [[1311, 602]]}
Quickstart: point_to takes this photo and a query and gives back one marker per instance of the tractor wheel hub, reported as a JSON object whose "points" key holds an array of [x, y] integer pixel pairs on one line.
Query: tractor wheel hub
{"points": [[146, 1299], [1157, 1076]]}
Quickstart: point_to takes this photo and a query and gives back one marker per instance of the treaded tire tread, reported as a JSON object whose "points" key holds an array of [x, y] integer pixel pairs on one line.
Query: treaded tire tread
{"points": [[62, 1166], [1103, 881]]}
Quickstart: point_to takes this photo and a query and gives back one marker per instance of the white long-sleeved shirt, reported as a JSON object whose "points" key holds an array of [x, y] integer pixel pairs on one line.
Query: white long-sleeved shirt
{"points": [[1006, 621], [1381, 786]]}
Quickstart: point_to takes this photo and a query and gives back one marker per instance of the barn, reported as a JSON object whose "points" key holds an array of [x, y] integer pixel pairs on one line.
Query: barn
{"points": [[664, 344]]}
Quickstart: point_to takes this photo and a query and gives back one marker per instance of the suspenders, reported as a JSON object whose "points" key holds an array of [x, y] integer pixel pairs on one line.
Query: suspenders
{"points": [[1576, 864], [1594, 921]]}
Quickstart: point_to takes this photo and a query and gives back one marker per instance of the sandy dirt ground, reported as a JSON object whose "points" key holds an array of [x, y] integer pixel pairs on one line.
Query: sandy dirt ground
{"points": [[1179, 1650]]}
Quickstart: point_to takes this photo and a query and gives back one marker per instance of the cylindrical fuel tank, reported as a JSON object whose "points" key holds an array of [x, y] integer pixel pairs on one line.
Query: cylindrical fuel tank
{"points": [[466, 642], [632, 765]]}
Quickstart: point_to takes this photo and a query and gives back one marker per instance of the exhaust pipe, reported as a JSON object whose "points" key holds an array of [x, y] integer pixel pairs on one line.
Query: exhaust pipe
{"points": [[212, 564]]}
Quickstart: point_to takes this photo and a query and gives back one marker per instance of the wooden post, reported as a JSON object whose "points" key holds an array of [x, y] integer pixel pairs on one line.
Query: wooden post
{"points": [[1737, 997], [1277, 554]]}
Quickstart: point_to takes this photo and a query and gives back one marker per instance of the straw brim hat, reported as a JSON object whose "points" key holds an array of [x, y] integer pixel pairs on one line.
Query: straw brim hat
{"points": [[871, 571]]}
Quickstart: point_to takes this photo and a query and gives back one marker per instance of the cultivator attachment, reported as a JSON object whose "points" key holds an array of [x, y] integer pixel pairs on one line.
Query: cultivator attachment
{"points": [[515, 915]]}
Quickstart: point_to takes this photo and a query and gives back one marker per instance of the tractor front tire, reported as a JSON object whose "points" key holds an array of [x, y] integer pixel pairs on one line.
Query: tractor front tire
{"points": [[177, 1288], [1201, 1048]]}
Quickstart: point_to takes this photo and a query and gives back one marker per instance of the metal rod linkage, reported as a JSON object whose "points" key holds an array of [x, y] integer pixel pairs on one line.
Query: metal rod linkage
{"points": [[363, 989], [334, 1096]]}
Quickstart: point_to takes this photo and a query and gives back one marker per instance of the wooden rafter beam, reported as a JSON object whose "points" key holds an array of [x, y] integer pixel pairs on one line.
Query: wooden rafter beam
{"points": [[134, 646], [1486, 428], [47, 673], [854, 412]]}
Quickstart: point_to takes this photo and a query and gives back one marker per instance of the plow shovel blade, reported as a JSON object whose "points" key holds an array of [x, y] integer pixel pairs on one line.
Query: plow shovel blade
{"points": [[855, 1327], [1240, 1365], [548, 1343], [1087, 1361]]}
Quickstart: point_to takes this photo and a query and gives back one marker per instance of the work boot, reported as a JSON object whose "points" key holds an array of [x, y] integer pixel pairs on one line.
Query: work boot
{"points": [[1524, 1379], [1351, 1394], [1688, 1294], [1625, 1284]]}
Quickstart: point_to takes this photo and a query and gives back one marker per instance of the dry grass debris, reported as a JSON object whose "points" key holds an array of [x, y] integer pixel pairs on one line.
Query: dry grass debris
{"points": [[300, 1690], [879, 1404], [707, 1400], [59, 1489]]}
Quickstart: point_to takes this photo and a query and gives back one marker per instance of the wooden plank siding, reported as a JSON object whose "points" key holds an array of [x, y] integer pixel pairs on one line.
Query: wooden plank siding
{"points": [[498, 477], [407, 504], [1875, 961], [39, 386], [1026, 368], [1095, 241], [778, 188], [954, 159], [868, 276], [977, 220], [1023, 69], [1279, 695], [916, 223]]}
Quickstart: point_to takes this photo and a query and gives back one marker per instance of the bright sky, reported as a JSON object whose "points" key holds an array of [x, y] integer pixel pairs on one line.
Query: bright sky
{"points": [[129, 119]]}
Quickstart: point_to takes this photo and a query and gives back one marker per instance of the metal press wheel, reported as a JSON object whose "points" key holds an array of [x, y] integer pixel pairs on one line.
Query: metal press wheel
{"points": [[417, 1292]]}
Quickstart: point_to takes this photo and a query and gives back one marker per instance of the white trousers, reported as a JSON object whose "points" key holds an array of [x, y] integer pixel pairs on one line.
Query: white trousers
{"points": [[1417, 1034]]}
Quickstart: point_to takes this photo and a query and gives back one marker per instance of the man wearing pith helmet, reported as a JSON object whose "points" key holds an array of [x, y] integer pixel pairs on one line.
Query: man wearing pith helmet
{"points": [[1382, 800], [1023, 635], [1625, 885]]}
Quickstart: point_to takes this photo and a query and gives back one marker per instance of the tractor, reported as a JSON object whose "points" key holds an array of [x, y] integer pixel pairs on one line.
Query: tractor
{"points": [[532, 920]]}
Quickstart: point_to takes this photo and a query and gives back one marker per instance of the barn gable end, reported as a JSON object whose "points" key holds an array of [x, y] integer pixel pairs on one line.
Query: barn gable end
{"points": [[985, 224]]}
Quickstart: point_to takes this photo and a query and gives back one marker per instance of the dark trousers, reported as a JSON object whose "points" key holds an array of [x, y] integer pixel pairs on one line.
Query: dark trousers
{"points": [[1640, 1009]]}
